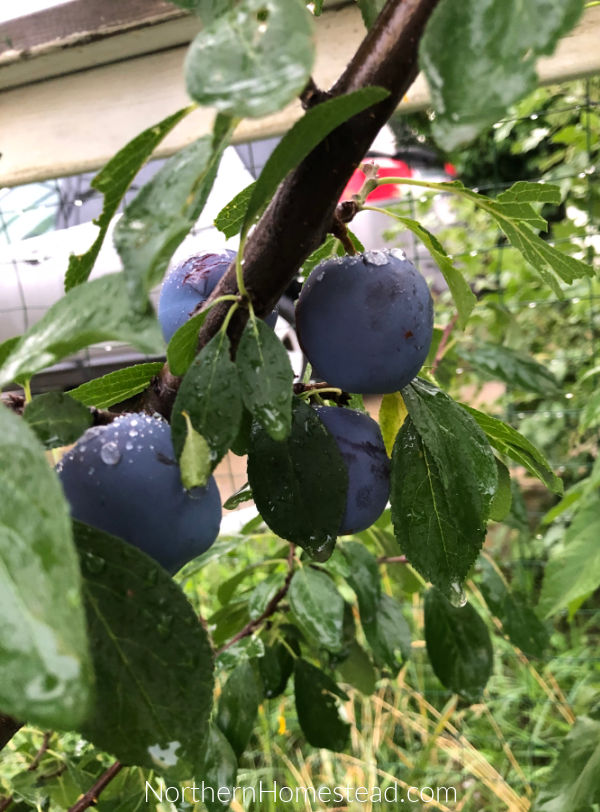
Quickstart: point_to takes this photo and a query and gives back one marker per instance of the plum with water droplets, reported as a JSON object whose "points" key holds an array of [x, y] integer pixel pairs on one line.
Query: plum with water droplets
{"points": [[134, 491], [189, 284], [365, 322]]}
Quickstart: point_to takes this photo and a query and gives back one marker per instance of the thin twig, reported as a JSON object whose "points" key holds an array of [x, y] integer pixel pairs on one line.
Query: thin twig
{"points": [[270, 609], [40, 753], [392, 559], [91, 796], [6, 802]]}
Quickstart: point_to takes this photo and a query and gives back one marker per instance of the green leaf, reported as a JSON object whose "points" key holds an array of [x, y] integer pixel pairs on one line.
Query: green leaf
{"points": [[493, 43], [463, 296], [331, 247], [302, 138], [112, 181], [508, 441], [87, 314], [243, 494], [357, 670], [388, 634], [263, 594], [210, 395], [165, 209], [392, 414], [300, 484], [573, 569], [7, 347], [502, 501], [247, 648], [318, 608], [194, 458], [277, 663], [230, 219], [370, 10], [364, 578], [57, 419], [590, 416], [520, 623], [515, 218], [266, 378], [150, 651], [207, 10], [458, 645], [44, 660], [238, 706], [228, 621], [443, 479], [316, 707], [115, 387], [183, 346], [246, 63], [219, 770], [574, 782], [514, 368]]}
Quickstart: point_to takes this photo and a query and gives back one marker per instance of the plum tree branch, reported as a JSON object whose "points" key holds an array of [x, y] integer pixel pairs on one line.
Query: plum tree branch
{"points": [[90, 798], [302, 210], [270, 608]]}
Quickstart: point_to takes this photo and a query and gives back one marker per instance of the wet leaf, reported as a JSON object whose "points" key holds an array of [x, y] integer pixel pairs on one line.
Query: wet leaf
{"points": [[44, 659], [141, 624], [57, 419], [317, 709], [458, 645]]}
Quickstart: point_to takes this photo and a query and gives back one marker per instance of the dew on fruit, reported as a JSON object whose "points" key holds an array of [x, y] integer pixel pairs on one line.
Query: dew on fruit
{"points": [[133, 433], [110, 453], [457, 595], [377, 257], [129, 446], [398, 253]]}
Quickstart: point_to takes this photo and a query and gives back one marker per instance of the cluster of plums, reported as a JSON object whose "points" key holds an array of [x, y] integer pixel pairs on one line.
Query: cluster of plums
{"points": [[364, 322]]}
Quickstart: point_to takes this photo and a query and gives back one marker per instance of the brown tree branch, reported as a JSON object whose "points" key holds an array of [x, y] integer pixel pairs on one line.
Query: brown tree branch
{"points": [[91, 796], [270, 609], [302, 210]]}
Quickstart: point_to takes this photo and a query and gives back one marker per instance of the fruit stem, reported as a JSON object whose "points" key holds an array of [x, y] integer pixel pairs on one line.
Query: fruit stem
{"points": [[27, 390], [239, 271], [230, 313]]}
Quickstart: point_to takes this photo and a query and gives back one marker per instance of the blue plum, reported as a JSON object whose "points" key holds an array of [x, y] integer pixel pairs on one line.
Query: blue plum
{"points": [[123, 478], [365, 322], [189, 284], [359, 440]]}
